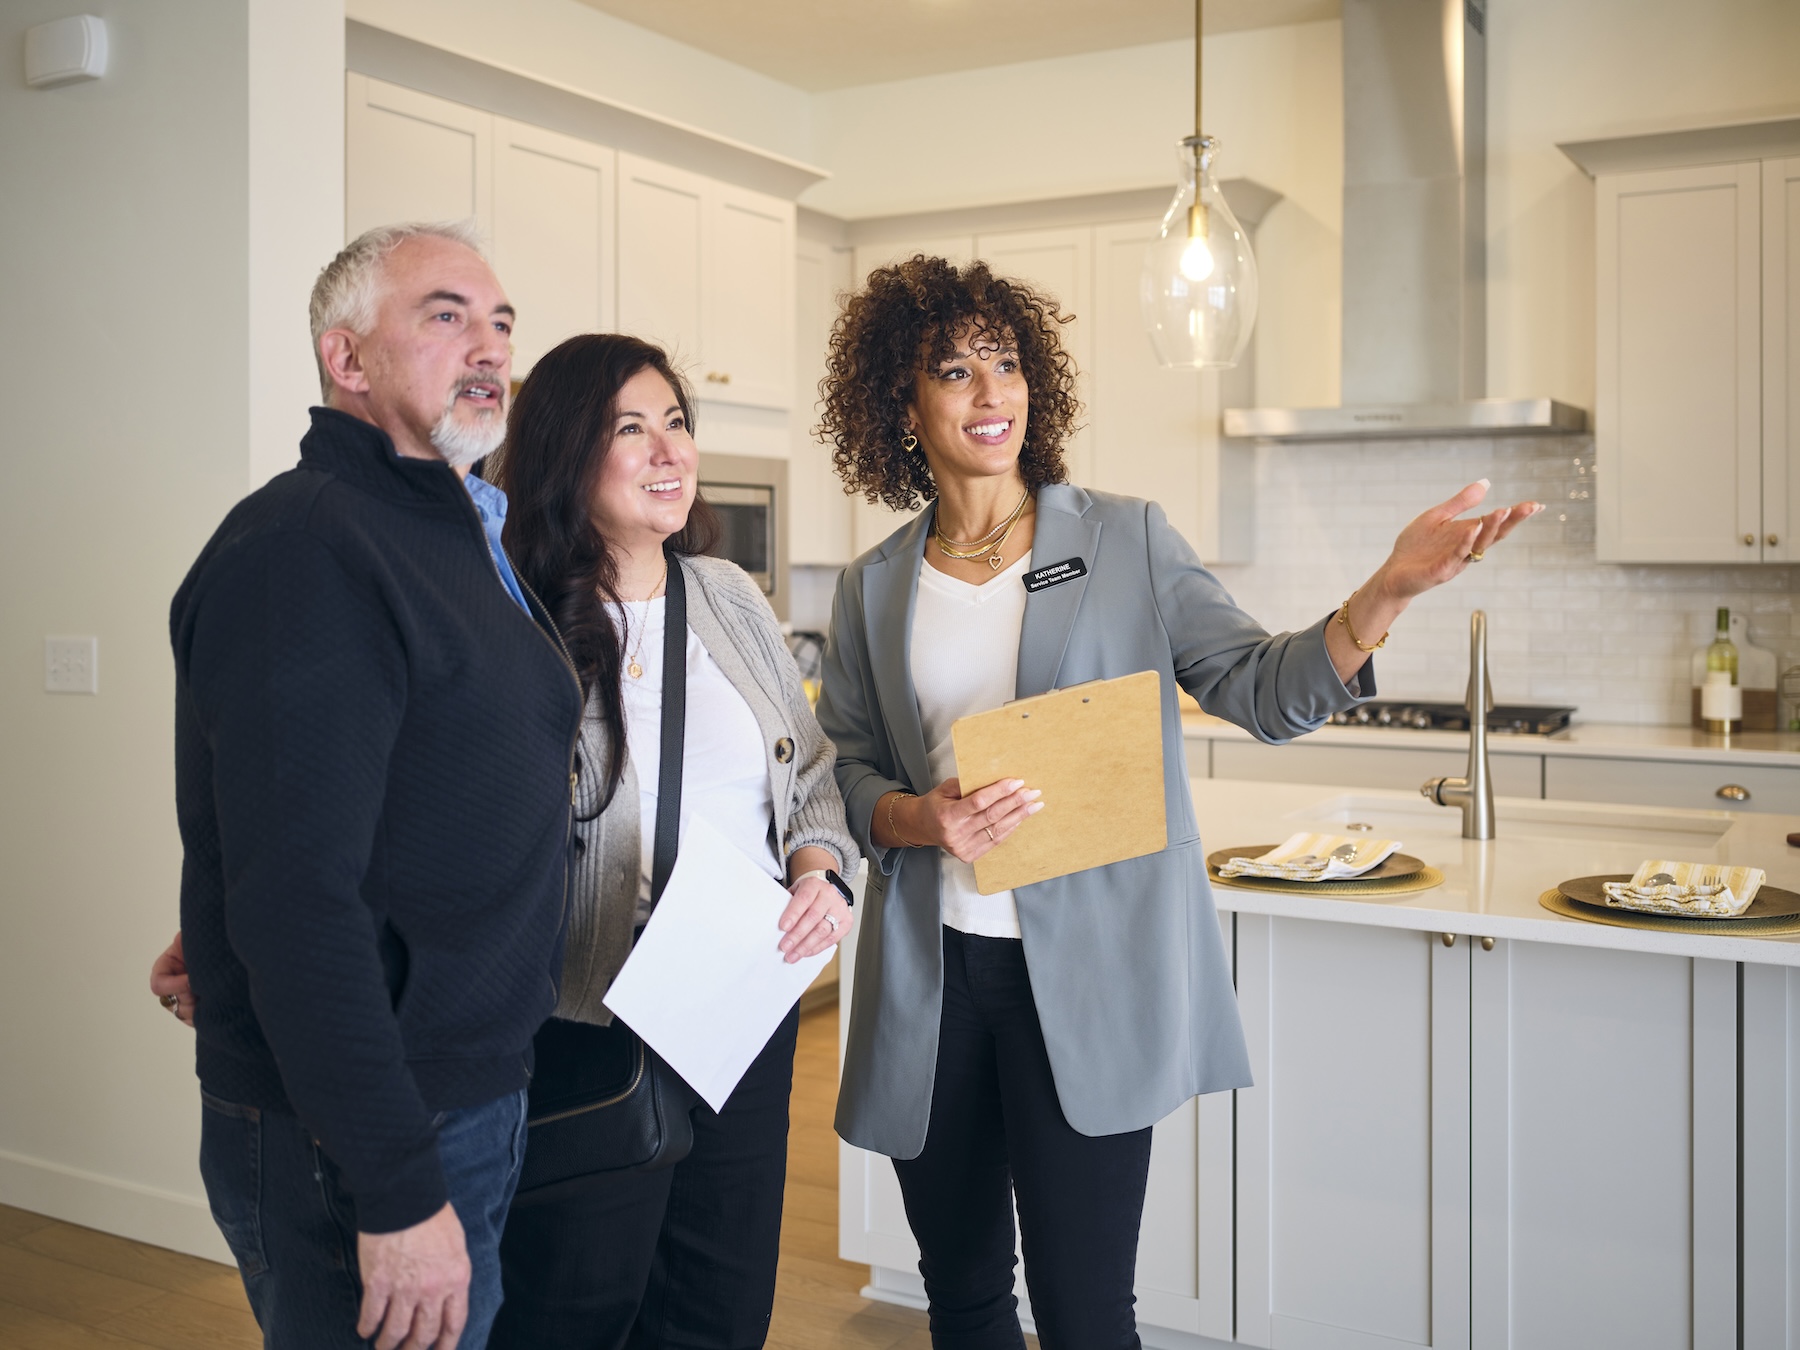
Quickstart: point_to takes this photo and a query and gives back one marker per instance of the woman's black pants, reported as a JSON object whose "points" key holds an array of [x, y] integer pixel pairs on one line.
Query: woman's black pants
{"points": [[683, 1258], [997, 1133]]}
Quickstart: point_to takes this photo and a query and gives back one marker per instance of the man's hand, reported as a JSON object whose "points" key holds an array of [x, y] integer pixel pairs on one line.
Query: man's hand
{"points": [[415, 1284], [169, 982]]}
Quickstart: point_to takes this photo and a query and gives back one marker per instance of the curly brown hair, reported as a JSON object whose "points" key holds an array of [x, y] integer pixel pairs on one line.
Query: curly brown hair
{"points": [[911, 310]]}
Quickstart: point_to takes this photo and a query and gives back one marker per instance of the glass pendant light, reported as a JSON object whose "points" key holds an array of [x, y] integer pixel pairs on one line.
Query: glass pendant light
{"points": [[1198, 287]]}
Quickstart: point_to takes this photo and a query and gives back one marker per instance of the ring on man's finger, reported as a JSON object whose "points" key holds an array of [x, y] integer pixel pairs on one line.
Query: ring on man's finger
{"points": [[171, 1001]]}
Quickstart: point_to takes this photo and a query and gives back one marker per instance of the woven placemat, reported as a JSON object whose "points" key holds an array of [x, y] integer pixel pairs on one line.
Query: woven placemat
{"points": [[1774, 926], [1362, 888]]}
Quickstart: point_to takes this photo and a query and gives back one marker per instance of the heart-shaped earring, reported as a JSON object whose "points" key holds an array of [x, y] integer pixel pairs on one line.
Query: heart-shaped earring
{"points": [[909, 443]]}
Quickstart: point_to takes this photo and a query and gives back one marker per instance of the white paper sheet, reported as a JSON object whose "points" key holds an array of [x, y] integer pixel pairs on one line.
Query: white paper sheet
{"points": [[705, 986]]}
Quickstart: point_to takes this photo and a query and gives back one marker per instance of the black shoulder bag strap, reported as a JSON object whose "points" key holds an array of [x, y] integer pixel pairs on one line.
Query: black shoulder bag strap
{"points": [[674, 731]]}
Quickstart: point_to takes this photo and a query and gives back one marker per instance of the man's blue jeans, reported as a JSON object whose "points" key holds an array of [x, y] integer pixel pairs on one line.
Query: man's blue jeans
{"points": [[290, 1223]]}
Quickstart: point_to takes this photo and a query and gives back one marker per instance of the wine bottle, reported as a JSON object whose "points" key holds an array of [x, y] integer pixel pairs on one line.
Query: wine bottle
{"points": [[1721, 700]]}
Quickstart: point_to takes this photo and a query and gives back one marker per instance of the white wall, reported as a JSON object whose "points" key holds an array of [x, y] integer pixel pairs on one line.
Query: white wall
{"points": [[1565, 72], [568, 43], [133, 214]]}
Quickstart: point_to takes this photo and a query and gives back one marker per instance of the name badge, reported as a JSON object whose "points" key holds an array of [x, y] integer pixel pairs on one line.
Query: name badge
{"points": [[1054, 575]]}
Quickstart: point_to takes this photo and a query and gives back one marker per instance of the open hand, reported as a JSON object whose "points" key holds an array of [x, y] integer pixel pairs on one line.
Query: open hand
{"points": [[1435, 547], [967, 827]]}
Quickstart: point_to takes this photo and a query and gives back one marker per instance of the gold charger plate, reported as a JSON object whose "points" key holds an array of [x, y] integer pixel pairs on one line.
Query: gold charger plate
{"points": [[1773, 912], [1399, 874]]}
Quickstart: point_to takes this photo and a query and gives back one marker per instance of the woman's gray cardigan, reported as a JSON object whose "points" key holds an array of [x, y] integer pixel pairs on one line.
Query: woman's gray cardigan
{"points": [[734, 622]]}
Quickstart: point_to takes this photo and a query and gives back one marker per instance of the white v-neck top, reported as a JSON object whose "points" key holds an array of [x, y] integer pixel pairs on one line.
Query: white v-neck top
{"points": [[965, 659], [724, 771]]}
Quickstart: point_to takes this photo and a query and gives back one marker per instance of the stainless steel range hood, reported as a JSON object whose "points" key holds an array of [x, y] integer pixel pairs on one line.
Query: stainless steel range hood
{"points": [[1415, 247]]}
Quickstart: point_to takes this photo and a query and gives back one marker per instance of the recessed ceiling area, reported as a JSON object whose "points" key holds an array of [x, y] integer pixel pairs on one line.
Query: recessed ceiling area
{"points": [[818, 45]]}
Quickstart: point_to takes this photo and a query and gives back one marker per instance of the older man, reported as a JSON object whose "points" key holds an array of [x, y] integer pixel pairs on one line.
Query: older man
{"points": [[374, 734]]}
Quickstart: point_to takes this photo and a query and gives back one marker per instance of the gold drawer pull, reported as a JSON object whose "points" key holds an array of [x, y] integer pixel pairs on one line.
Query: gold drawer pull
{"points": [[1731, 792]]}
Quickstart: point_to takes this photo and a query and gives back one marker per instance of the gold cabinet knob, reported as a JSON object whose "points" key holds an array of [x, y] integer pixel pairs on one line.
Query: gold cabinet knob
{"points": [[1774, 540], [1748, 539], [1487, 944], [1731, 792], [1449, 939], [718, 377]]}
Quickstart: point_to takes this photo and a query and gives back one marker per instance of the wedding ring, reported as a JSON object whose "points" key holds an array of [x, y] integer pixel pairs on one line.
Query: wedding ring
{"points": [[1475, 557], [988, 830], [171, 1001]]}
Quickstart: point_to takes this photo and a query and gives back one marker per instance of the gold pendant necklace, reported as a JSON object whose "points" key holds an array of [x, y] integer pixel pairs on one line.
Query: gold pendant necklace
{"points": [[634, 667], [975, 548], [994, 553]]}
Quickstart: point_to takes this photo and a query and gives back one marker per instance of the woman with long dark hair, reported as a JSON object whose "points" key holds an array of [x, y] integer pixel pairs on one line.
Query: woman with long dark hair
{"points": [[600, 471]]}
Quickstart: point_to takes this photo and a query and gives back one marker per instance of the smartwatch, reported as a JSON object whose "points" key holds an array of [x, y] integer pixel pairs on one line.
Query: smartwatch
{"points": [[831, 876]]}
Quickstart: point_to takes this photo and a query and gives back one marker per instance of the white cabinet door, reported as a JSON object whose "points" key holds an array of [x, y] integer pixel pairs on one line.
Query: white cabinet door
{"points": [[553, 235], [747, 311], [412, 157], [662, 231], [1770, 1089], [1678, 436], [819, 523], [1060, 264], [1353, 1147], [1781, 357], [1604, 1150]]}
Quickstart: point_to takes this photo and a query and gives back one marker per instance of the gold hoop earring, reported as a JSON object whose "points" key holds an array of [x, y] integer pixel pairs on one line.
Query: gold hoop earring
{"points": [[909, 443]]}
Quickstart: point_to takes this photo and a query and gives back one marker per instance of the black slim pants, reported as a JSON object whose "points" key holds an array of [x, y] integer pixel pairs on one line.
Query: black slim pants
{"points": [[678, 1259], [997, 1131]]}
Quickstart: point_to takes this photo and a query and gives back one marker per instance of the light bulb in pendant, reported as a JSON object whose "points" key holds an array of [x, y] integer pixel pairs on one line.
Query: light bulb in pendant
{"points": [[1196, 260]]}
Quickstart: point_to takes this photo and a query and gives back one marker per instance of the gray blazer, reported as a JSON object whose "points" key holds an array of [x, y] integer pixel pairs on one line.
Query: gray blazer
{"points": [[1127, 962], [734, 623]]}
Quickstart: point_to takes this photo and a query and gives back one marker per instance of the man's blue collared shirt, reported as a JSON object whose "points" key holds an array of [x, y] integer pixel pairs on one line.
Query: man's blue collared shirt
{"points": [[490, 505]]}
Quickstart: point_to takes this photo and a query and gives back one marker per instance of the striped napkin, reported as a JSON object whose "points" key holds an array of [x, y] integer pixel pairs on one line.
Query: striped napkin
{"points": [[1315, 857], [1688, 890]]}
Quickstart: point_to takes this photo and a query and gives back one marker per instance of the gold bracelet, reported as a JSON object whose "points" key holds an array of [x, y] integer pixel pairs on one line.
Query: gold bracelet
{"points": [[892, 828], [1343, 617]]}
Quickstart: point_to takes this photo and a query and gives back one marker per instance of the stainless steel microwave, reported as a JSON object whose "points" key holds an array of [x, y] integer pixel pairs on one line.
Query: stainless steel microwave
{"points": [[749, 495]]}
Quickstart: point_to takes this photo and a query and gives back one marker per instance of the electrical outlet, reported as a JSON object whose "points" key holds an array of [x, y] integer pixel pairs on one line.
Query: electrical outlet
{"points": [[71, 665]]}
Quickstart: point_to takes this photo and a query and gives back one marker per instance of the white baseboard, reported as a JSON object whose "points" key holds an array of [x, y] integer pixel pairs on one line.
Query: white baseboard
{"points": [[161, 1218]]}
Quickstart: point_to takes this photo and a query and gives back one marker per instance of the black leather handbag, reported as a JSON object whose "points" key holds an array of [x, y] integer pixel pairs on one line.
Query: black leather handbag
{"points": [[600, 1099]]}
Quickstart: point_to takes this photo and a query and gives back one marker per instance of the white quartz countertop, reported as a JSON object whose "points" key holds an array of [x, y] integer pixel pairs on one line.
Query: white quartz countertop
{"points": [[1596, 740], [1491, 889]]}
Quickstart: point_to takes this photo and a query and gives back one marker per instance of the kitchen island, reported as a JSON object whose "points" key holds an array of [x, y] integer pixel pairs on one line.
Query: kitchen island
{"points": [[1475, 1123]]}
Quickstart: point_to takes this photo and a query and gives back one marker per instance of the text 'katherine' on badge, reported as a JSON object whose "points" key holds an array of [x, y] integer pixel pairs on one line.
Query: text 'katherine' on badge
{"points": [[1095, 751]]}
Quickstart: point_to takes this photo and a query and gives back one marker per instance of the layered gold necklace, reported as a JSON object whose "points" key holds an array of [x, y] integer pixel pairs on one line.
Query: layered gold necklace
{"points": [[991, 546]]}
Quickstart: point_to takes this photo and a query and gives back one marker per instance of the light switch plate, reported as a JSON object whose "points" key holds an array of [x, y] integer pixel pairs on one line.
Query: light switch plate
{"points": [[71, 665]]}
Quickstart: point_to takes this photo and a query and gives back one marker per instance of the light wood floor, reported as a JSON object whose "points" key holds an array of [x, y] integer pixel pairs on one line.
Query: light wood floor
{"points": [[69, 1288]]}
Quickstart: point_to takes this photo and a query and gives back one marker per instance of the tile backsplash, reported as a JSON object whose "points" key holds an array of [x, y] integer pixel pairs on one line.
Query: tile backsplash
{"points": [[1613, 640]]}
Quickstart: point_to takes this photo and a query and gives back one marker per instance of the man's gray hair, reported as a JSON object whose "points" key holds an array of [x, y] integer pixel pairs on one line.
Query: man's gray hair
{"points": [[348, 292]]}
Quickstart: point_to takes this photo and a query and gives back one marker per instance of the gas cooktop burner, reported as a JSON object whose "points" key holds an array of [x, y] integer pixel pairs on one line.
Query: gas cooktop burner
{"points": [[1507, 719]]}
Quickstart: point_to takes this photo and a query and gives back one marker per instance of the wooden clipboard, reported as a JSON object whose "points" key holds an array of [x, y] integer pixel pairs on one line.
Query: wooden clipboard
{"points": [[1095, 751]]}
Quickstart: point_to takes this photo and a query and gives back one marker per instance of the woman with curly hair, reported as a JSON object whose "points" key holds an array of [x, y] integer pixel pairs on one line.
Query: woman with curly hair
{"points": [[1018, 1047]]}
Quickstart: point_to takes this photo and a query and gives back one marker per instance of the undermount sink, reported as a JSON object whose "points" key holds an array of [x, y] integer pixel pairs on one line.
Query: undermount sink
{"points": [[1664, 831]]}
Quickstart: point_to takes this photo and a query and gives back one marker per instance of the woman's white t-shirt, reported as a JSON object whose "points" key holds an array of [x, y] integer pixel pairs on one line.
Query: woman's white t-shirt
{"points": [[965, 659], [724, 770]]}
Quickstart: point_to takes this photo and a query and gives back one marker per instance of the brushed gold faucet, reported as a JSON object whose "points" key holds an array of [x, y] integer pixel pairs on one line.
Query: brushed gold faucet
{"points": [[1474, 792]]}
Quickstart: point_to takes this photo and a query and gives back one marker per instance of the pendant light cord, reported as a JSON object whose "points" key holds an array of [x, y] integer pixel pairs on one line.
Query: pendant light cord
{"points": [[1197, 33]]}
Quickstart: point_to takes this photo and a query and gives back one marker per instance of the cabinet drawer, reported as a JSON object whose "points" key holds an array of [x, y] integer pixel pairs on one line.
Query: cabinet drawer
{"points": [[1661, 783], [1515, 775]]}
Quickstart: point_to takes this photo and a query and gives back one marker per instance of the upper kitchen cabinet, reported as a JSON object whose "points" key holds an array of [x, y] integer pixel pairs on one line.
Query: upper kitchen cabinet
{"points": [[820, 523], [1697, 418], [709, 272], [1781, 354], [1678, 425], [410, 156], [553, 235]]}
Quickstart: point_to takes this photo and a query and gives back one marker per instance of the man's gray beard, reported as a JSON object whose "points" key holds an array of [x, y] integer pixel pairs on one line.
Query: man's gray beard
{"points": [[462, 445]]}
